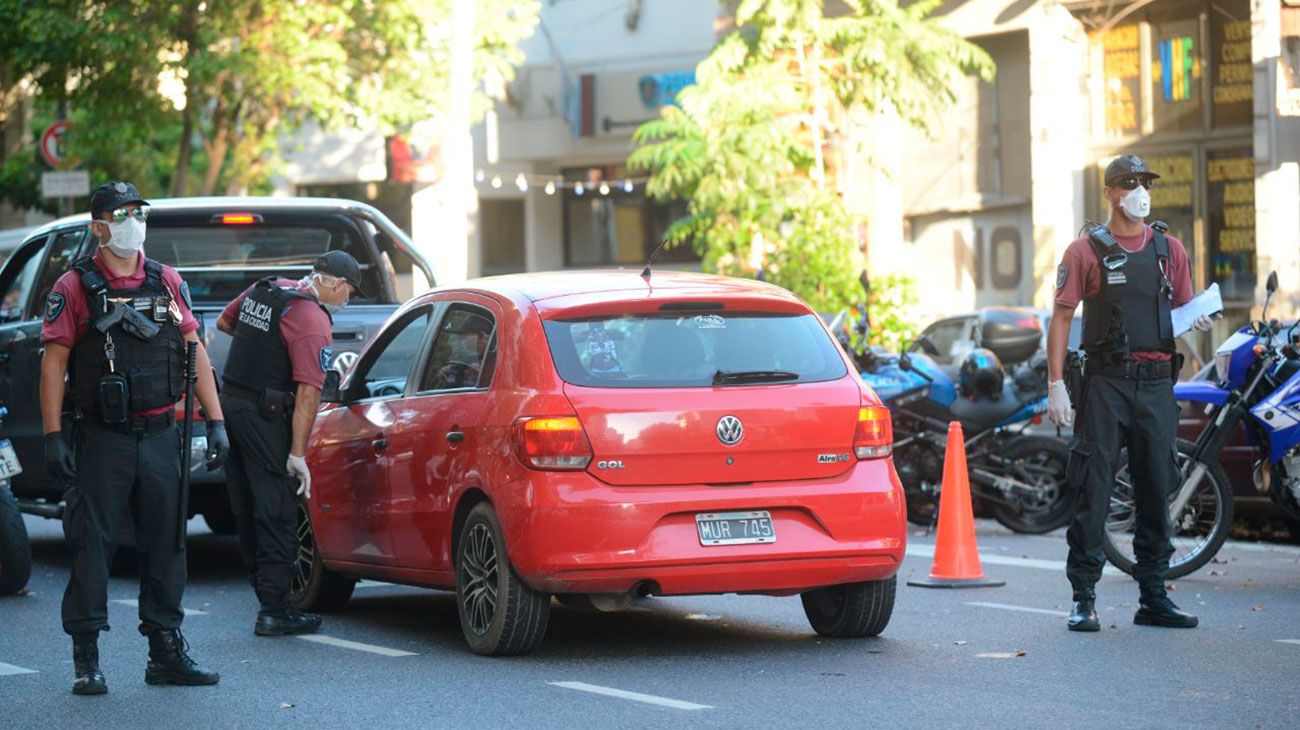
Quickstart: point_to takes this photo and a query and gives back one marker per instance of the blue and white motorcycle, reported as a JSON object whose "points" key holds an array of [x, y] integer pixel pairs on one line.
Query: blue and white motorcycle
{"points": [[1256, 382], [1020, 477]]}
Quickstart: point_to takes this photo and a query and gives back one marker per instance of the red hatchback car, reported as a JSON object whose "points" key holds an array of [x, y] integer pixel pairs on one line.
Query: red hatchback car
{"points": [[597, 434]]}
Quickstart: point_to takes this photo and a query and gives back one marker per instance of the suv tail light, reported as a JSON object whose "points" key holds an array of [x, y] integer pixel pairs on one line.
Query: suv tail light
{"points": [[553, 443], [875, 436]]}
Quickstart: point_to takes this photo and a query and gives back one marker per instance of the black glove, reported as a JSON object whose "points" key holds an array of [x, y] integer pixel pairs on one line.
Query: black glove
{"points": [[58, 457], [218, 445]]}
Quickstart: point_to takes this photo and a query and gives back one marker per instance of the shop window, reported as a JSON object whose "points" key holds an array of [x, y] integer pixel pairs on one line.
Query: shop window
{"points": [[1121, 83], [1232, 93], [616, 227], [1230, 221], [1177, 63]]}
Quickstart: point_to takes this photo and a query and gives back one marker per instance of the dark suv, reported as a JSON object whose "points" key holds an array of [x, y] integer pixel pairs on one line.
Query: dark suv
{"points": [[220, 246]]}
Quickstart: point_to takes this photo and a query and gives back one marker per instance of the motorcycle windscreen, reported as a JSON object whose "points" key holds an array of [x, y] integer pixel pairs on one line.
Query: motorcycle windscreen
{"points": [[718, 398]]}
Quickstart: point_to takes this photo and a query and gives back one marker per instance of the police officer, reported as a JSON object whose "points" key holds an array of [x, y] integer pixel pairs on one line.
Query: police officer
{"points": [[118, 323], [1129, 275], [280, 351]]}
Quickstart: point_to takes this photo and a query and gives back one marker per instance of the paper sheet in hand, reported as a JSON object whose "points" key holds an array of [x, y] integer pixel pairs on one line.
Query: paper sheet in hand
{"points": [[1208, 302]]}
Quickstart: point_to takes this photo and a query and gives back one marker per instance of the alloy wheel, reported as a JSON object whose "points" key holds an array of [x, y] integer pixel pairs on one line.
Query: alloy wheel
{"points": [[306, 557], [479, 579]]}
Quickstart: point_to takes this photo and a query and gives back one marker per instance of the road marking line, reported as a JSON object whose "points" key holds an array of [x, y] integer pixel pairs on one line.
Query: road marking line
{"points": [[1009, 607], [927, 551], [634, 696], [1289, 641], [374, 584], [9, 669], [134, 603], [355, 645]]}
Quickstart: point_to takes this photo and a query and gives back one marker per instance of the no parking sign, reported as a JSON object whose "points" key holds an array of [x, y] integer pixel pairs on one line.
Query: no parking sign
{"points": [[52, 142]]}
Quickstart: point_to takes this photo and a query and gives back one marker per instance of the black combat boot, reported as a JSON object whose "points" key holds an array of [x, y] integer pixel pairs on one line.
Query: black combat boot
{"points": [[170, 662], [285, 621], [85, 662], [1155, 609], [1083, 617]]}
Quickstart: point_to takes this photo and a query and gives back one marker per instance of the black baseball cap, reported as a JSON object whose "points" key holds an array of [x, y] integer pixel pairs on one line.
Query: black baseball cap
{"points": [[1126, 165], [113, 195], [342, 265]]}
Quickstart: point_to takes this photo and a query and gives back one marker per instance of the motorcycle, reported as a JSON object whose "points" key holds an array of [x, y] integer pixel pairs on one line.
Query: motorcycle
{"points": [[1022, 477], [1258, 383]]}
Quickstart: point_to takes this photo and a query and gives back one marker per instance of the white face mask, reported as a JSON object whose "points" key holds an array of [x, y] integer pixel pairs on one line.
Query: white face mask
{"points": [[126, 238], [1136, 204]]}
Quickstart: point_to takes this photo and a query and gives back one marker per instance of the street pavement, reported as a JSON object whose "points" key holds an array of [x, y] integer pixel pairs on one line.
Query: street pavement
{"points": [[993, 657]]}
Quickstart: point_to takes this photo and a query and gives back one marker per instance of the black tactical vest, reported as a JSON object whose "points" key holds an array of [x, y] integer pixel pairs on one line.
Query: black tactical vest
{"points": [[154, 368], [1131, 312], [258, 357]]}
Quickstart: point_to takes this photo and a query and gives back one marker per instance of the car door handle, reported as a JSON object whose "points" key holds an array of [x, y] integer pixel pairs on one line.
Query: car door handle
{"points": [[379, 444], [455, 437]]}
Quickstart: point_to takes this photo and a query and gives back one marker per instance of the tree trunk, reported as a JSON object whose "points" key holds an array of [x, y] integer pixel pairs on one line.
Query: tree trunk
{"points": [[187, 144]]}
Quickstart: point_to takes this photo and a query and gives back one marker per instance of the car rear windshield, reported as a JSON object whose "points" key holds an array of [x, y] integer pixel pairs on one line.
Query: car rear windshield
{"points": [[693, 350], [219, 262]]}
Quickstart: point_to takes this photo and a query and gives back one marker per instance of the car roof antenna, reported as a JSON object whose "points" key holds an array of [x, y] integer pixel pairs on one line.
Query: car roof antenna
{"points": [[645, 273]]}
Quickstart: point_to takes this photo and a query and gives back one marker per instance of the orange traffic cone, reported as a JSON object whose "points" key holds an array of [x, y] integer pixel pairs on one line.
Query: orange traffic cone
{"points": [[956, 558]]}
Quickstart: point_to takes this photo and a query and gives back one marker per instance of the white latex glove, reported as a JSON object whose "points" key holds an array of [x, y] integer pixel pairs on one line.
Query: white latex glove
{"points": [[1058, 404], [297, 467], [1203, 323]]}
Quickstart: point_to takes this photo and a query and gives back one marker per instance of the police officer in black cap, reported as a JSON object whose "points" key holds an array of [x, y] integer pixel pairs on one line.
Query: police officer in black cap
{"points": [[118, 322], [281, 349], [1129, 276]]}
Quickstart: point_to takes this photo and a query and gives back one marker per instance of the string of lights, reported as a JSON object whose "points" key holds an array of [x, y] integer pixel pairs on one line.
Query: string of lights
{"points": [[550, 184]]}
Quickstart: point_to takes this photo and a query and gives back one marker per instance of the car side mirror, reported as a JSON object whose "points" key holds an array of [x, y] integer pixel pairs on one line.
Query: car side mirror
{"points": [[329, 393], [1271, 286], [926, 345]]}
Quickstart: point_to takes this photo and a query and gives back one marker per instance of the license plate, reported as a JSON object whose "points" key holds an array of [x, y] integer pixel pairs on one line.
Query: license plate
{"points": [[9, 465], [735, 528]]}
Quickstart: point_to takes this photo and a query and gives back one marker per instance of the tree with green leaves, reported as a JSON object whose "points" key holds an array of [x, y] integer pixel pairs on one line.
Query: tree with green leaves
{"points": [[755, 145], [199, 96]]}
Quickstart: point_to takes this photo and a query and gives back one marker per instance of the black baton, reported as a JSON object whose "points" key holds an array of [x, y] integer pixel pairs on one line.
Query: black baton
{"points": [[187, 434]]}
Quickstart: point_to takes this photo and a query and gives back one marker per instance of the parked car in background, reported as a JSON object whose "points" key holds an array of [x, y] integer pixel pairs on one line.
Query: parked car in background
{"points": [[597, 434], [220, 246]]}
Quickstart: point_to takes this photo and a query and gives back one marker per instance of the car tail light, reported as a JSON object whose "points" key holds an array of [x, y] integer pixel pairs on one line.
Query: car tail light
{"points": [[875, 436], [554, 443]]}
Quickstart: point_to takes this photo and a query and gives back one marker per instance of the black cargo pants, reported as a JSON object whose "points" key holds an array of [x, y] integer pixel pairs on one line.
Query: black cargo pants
{"points": [[263, 498], [118, 471], [1120, 411]]}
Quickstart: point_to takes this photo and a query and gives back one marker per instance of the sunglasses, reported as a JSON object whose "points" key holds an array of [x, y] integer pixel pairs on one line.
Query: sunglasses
{"points": [[1132, 181], [141, 214]]}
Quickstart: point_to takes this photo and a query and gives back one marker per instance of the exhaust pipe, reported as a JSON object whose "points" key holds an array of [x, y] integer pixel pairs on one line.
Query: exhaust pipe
{"points": [[41, 509]]}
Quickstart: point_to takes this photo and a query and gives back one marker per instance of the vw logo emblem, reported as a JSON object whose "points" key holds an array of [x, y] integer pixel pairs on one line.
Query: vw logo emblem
{"points": [[343, 361], [730, 430]]}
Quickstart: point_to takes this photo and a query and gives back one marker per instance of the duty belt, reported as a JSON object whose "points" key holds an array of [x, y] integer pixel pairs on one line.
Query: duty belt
{"points": [[140, 424], [1134, 369], [256, 396]]}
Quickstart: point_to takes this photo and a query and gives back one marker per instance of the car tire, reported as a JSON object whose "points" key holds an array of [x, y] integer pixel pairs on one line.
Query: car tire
{"points": [[313, 586], [852, 610], [15, 549], [499, 614]]}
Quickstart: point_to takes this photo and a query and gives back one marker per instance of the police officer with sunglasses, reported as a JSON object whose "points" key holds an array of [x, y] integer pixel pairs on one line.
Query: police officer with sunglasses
{"points": [[118, 324], [1129, 275]]}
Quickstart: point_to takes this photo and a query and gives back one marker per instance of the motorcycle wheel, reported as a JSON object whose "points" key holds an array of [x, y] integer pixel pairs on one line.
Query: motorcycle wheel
{"points": [[1039, 461], [921, 509], [1197, 533]]}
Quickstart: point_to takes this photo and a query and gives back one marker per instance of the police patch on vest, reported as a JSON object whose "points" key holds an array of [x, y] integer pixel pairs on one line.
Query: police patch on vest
{"points": [[1062, 273], [255, 314], [185, 294], [54, 304], [326, 356]]}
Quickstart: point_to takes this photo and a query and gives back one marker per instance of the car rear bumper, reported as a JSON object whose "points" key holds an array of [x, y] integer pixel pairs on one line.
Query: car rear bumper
{"points": [[571, 533]]}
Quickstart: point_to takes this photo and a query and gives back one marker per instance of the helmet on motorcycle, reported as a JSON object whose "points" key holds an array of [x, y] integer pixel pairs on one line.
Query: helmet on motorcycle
{"points": [[980, 375]]}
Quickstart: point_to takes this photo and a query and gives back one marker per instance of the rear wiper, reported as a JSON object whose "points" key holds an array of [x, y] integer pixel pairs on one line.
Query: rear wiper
{"points": [[722, 377]]}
